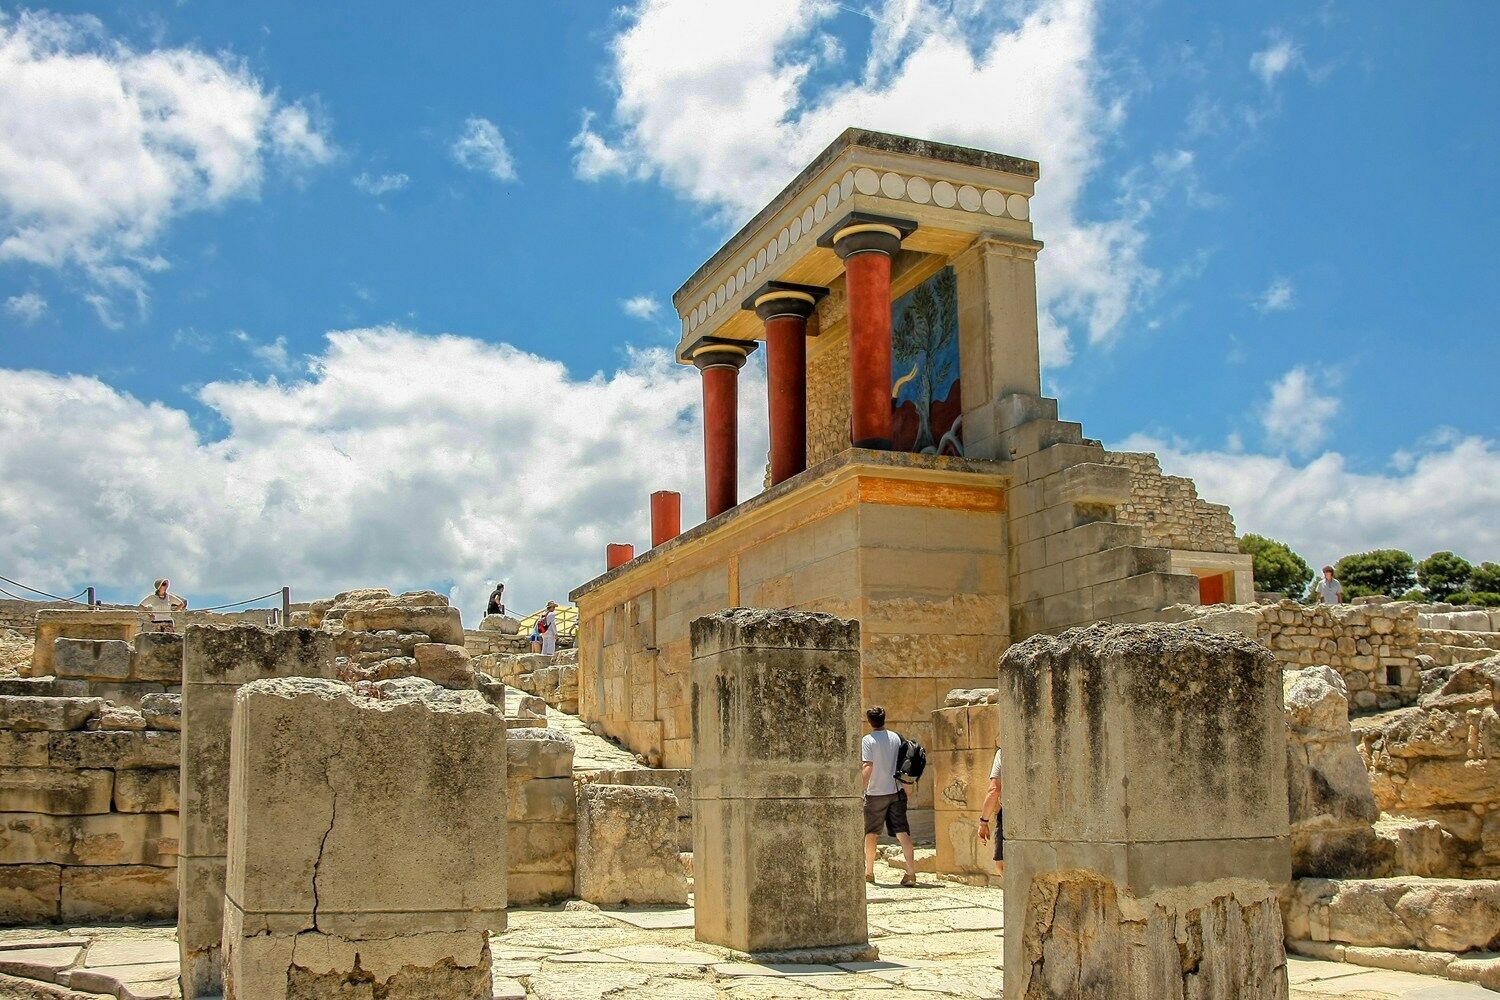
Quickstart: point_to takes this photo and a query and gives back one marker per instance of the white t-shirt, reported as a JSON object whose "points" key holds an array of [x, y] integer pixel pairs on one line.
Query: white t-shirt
{"points": [[881, 748], [1330, 591], [995, 767]]}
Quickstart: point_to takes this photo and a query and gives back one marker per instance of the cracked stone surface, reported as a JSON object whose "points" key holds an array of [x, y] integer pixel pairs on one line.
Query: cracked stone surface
{"points": [[609, 956]]}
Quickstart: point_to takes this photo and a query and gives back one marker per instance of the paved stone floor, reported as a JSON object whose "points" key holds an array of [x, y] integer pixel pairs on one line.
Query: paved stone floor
{"points": [[937, 940]]}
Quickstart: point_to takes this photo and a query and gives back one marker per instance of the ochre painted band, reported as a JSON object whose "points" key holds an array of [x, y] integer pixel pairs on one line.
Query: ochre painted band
{"points": [[866, 227]]}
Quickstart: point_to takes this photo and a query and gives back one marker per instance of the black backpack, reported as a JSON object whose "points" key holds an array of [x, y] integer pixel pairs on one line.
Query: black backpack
{"points": [[911, 762]]}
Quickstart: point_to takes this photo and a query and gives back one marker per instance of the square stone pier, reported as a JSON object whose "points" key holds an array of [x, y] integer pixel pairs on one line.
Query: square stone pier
{"points": [[1146, 831], [777, 817], [366, 841]]}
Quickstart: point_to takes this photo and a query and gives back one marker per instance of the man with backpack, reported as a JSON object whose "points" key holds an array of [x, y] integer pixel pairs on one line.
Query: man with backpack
{"points": [[889, 762]]}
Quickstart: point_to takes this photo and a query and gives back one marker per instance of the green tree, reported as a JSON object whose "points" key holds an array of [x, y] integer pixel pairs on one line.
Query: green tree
{"points": [[1382, 571], [1485, 579], [1443, 574], [1277, 567]]}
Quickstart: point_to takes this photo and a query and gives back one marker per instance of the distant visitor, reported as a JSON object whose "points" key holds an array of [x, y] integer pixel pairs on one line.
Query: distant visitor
{"points": [[497, 601], [544, 638], [1329, 590], [885, 799], [161, 604]]}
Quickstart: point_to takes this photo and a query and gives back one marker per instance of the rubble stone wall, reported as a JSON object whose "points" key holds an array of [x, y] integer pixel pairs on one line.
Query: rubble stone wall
{"points": [[88, 811], [828, 405], [1169, 510]]}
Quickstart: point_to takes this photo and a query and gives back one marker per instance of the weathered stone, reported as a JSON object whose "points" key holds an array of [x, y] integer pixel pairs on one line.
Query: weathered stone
{"points": [[539, 753], [29, 894], [103, 839], [119, 893], [776, 796], [43, 687], [322, 890], [1421, 847], [29, 714], [1152, 812], [116, 750], [444, 665], [504, 624], [55, 791], [970, 696], [627, 846], [440, 623], [94, 659], [1331, 804], [147, 791], [157, 656], [1454, 915], [162, 711], [118, 718]]}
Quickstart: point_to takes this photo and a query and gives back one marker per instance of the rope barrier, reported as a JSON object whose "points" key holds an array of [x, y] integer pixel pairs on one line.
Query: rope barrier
{"points": [[236, 604], [54, 597]]}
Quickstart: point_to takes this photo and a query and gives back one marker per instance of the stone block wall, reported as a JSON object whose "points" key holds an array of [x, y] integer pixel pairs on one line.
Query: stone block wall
{"points": [[1440, 760], [88, 814], [964, 740], [828, 403], [541, 813], [124, 672], [1372, 646], [1168, 509], [554, 679], [1448, 647]]}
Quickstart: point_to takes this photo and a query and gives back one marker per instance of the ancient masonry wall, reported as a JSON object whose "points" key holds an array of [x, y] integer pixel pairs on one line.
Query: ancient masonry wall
{"points": [[828, 406], [1372, 646], [964, 740], [88, 809], [1168, 509]]}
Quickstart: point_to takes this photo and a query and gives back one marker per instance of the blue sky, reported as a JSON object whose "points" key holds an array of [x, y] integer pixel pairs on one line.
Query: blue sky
{"points": [[1270, 259]]}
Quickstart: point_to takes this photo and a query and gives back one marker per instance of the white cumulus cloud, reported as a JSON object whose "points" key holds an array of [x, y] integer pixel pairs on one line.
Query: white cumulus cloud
{"points": [[379, 184], [398, 460], [1443, 496], [641, 306], [1278, 295], [482, 148], [28, 306], [1280, 55], [1299, 411], [717, 100], [101, 145]]}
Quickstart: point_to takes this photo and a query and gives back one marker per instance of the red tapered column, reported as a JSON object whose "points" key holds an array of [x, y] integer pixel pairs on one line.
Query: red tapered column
{"points": [[720, 364], [666, 516], [617, 554], [867, 249], [784, 309]]}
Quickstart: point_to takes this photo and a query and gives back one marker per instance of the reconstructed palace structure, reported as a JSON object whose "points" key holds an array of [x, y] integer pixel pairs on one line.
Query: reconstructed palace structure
{"points": [[918, 480]]}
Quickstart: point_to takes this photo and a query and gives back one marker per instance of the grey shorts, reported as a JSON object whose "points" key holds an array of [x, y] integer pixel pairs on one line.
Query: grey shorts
{"points": [[888, 811]]}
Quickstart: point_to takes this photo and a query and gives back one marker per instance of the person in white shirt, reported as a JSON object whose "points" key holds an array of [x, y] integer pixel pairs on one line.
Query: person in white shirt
{"points": [[161, 604], [1329, 590], [885, 799], [992, 805]]}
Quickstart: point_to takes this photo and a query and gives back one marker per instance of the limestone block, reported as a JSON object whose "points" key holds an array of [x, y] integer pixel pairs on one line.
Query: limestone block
{"points": [[542, 847], [317, 772], [118, 718], [102, 839], [1420, 847], [29, 894], [541, 800], [162, 711], [95, 659], [55, 791], [504, 624], [236, 654], [1122, 694], [627, 846], [438, 622], [772, 874], [1454, 915], [147, 791], [157, 656], [444, 665], [116, 750], [200, 924], [22, 713], [119, 893], [539, 753], [44, 687]]}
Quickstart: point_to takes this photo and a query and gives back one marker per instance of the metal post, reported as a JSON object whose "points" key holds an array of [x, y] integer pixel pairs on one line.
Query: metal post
{"points": [[286, 607], [91, 598]]}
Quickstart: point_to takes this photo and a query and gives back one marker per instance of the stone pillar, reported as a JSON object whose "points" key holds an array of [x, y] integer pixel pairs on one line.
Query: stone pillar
{"points": [[1145, 803], [666, 516], [617, 554], [720, 362], [777, 816], [216, 660], [627, 846], [999, 350], [866, 245], [784, 309], [366, 841]]}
